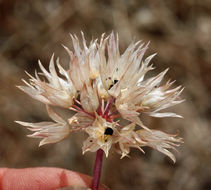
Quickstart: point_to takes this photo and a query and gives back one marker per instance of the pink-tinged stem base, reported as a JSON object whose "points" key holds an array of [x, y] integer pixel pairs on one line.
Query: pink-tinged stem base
{"points": [[97, 170]]}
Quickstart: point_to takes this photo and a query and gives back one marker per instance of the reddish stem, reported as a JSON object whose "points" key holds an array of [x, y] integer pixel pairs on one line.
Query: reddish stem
{"points": [[82, 110], [114, 116], [97, 170]]}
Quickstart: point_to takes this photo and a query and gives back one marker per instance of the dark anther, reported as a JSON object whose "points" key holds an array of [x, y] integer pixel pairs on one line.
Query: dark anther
{"points": [[115, 81], [110, 87], [109, 78], [108, 131]]}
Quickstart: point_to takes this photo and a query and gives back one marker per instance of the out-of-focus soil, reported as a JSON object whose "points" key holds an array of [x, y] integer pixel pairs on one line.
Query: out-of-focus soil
{"points": [[179, 31]]}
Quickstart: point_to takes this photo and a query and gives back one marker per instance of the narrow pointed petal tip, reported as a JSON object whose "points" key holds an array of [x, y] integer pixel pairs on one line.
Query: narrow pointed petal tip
{"points": [[21, 123], [123, 156], [106, 154], [44, 142], [41, 144], [65, 47], [18, 122], [18, 86]]}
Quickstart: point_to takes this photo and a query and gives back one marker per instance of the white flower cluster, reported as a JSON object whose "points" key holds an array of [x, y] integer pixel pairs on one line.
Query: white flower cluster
{"points": [[103, 86]]}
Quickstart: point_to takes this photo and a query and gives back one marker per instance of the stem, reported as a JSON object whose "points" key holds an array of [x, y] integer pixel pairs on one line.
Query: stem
{"points": [[97, 169]]}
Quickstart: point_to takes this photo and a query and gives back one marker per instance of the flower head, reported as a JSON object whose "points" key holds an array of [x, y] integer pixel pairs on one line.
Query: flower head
{"points": [[103, 86]]}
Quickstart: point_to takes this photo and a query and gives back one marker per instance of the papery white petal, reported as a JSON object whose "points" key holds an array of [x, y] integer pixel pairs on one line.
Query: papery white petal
{"points": [[51, 132], [91, 145], [127, 138], [89, 99], [167, 114], [54, 116], [34, 94], [80, 121], [160, 141], [57, 92]]}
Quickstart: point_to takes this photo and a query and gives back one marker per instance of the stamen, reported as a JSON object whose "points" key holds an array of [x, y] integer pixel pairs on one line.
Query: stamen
{"points": [[102, 106], [82, 110], [108, 105], [78, 102]]}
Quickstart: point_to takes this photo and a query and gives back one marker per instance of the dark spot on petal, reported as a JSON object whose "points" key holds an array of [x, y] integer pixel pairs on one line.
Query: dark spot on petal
{"points": [[109, 78], [108, 131], [115, 81], [110, 87]]}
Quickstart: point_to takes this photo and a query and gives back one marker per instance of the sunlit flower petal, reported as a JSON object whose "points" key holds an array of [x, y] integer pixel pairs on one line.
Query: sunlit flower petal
{"points": [[101, 135], [160, 141], [51, 132], [58, 91]]}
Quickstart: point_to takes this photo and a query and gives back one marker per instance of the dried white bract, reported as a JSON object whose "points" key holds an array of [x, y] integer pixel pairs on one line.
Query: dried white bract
{"points": [[103, 86]]}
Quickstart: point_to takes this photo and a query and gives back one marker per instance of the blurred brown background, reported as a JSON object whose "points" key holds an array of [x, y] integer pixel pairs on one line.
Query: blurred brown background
{"points": [[179, 31]]}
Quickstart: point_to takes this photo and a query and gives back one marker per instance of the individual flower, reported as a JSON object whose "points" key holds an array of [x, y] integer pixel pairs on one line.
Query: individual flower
{"points": [[128, 138], [160, 141], [156, 139], [104, 86], [101, 135], [57, 92], [51, 132]]}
